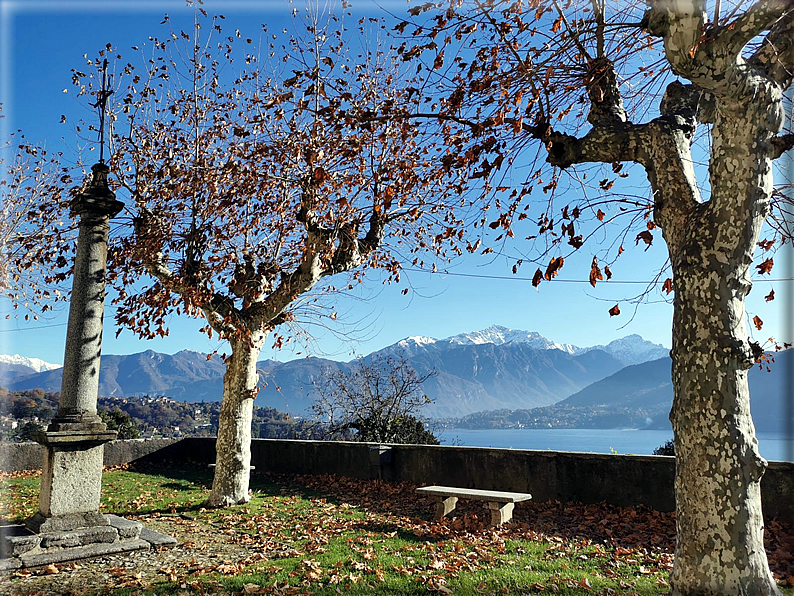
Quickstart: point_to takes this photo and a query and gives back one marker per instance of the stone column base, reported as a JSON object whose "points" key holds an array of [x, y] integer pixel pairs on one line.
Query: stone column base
{"points": [[64, 523], [19, 547], [71, 480]]}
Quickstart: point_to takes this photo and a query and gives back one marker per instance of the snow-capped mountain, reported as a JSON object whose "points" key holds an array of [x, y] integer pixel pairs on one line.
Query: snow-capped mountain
{"points": [[498, 335], [409, 346], [17, 367], [632, 349], [34, 364], [492, 369]]}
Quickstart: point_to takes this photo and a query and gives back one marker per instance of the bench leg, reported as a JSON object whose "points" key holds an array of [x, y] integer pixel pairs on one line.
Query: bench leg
{"points": [[444, 506], [500, 513]]}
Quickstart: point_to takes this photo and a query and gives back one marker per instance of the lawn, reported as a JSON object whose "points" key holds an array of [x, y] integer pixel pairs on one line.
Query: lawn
{"points": [[326, 535]]}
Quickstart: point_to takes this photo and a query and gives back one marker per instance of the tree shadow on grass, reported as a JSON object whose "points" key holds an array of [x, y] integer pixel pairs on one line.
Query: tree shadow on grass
{"points": [[621, 527], [194, 474], [393, 530], [638, 527]]}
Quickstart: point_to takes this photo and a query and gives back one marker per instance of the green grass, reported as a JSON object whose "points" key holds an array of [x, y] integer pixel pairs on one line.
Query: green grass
{"points": [[320, 542]]}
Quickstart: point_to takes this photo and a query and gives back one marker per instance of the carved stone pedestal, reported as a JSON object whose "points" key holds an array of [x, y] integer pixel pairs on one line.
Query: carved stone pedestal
{"points": [[71, 482], [68, 525]]}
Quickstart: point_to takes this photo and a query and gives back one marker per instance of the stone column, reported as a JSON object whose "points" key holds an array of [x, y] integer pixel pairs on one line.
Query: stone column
{"points": [[74, 441]]}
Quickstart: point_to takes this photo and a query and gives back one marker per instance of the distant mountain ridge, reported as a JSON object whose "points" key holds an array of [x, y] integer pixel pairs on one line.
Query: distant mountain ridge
{"points": [[34, 364], [489, 369], [649, 386], [631, 349], [143, 373], [641, 396], [498, 335], [16, 367]]}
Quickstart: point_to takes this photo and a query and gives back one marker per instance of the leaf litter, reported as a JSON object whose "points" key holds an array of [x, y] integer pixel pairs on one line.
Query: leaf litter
{"points": [[326, 534]]}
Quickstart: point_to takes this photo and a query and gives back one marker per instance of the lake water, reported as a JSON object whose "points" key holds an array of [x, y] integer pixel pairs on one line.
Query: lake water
{"points": [[638, 442]]}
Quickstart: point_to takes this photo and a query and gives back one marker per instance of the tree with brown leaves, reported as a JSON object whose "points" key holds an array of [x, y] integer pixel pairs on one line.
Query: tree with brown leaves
{"points": [[35, 190], [575, 82], [252, 181]]}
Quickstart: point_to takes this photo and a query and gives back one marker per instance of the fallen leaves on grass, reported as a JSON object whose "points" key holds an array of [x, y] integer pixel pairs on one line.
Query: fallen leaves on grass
{"points": [[640, 537], [384, 531]]}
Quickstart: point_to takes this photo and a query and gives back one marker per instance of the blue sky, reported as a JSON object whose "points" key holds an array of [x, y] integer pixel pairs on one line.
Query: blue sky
{"points": [[41, 41]]}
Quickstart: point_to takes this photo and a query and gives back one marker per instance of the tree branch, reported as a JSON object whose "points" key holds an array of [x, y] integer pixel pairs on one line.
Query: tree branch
{"points": [[680, 25], [350, 252], [712, 59], [775, 57], [603, 144], [606, 104], [574, 36], [668, 160], [219, 310], [782, 144], [758, 18]]}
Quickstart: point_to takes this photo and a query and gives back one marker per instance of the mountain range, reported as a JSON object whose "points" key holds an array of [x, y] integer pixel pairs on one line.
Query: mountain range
{"points": [[489, 369], [14, 367], [631, 349], [648, 387]]}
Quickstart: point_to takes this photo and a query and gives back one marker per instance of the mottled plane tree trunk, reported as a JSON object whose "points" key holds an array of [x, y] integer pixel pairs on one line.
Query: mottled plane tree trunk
{"points": [[732, 75], [719, 524], [711, 241], [233, 447]]}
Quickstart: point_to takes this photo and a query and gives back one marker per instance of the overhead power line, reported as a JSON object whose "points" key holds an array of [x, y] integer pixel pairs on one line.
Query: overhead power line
{"points": [[456, 274], [557, 279]]}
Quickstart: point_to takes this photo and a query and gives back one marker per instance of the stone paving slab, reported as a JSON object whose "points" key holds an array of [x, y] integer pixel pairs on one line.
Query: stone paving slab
{"points": [[82, 552], [23, 549], [10, 564], [81, 537], [16, 539], [156, 538], [125, 527]]}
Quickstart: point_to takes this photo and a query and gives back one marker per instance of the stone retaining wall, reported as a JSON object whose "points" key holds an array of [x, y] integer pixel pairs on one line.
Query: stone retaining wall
{"points": [[624, 480], [15, 457]]}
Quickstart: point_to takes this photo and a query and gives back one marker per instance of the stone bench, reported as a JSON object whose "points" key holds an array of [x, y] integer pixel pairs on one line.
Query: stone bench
{"points": [[500, 503]]}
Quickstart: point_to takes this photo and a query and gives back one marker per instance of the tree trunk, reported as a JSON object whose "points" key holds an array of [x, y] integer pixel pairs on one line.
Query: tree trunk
{"points": [[719, 526], [233, 446]]}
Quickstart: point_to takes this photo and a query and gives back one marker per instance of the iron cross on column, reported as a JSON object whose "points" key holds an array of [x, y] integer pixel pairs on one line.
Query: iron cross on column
{"points": [[101, 105]]}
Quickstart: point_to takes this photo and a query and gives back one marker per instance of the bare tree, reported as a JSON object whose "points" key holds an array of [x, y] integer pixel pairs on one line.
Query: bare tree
{"points": [[575, 85], [378, 400]]}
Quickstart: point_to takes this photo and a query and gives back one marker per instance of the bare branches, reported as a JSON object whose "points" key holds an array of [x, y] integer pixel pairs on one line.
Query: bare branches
{"points": [[376, 400], [35, 256], [574, 35]]}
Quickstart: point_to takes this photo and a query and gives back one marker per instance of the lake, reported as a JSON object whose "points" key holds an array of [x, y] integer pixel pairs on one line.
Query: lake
{"points": [[638, 442]]}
